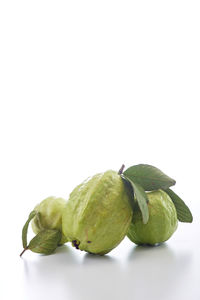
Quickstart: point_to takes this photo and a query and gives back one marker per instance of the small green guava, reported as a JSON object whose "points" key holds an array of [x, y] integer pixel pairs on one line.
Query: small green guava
{"points": [[50, 216], [98, 213], [162, 220]]}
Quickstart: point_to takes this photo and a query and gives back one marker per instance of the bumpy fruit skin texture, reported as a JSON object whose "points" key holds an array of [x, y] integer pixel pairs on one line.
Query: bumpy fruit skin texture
{"points": [[50, 216], [98, 213], [162, 220]]}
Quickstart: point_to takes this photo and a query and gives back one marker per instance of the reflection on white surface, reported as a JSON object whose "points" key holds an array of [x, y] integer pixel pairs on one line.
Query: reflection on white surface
{"points": [[168, 272], [137, 272], [158, 271]]}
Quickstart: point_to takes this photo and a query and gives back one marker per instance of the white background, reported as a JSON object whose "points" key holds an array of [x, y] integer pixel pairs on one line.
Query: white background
{"points": [[84, 87]]}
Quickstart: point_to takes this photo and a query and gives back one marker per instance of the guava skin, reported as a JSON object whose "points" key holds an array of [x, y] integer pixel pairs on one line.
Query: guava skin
{"points": [[98, 213], [50, 216], [162, 220]]}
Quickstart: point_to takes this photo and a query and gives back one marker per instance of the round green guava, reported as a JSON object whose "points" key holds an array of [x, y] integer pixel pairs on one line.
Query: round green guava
{"points": [[98, 213], [162, 220], [50, 216]]}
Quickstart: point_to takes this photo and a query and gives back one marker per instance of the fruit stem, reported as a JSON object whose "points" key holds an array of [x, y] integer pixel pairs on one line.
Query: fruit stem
{"points": [[121, 169], [23, 251]]}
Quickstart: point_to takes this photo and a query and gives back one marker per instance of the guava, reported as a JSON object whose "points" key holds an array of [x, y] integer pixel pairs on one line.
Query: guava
{"points": [[162, 220], [98, 213], [50, 216]]}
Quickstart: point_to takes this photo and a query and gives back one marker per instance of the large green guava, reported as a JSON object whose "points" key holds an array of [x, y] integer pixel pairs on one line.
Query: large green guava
{"points": [[98, 213], [162, 220], [50, 216]]}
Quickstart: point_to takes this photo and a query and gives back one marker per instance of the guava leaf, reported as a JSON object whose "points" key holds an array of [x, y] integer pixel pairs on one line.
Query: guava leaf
{"points": [[46, 241], [130, 191], [183, 212], [149, 177], [25, 228], [141, 198]]}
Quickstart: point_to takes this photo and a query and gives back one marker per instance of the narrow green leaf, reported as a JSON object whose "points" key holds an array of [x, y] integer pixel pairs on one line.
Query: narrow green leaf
{"points": [[25, 228], [142, 201], [141, 198], [130, 191], [46, 241], [149, 177], [183, 212]]}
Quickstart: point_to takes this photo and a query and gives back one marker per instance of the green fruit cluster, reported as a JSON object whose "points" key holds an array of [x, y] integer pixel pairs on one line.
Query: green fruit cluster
{"points": [[105, 208]]}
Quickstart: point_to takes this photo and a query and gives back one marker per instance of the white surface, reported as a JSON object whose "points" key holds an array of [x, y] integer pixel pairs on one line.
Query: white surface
{"points": [[168, 271], [85, 87]]}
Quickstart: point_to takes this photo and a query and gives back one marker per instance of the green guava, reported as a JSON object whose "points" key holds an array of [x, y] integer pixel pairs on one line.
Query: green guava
{"points": [[50, 216], [98, 213], [162, 220]]}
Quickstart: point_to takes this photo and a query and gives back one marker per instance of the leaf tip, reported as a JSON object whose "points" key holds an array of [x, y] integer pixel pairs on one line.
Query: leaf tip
{"points": [[145, 220], [173, 182]]}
